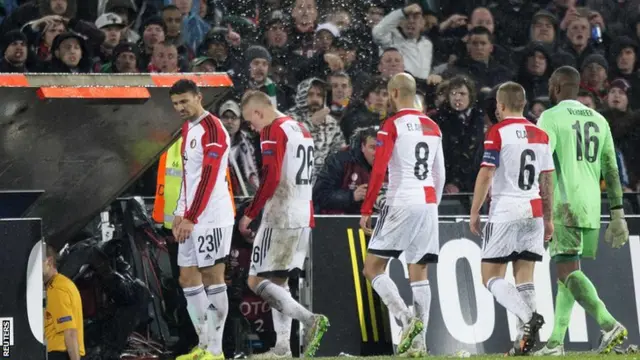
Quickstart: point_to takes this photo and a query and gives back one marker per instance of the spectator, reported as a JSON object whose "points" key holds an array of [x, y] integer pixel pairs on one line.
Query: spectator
{"points": [[369, 111], [537, 106], [172, 18], [194, 28], [402, 29], [63, 320], [373, 12], [325, 36], [111, 25], [34, 10], [203, 64], [462, 125], [513, 21], [342, 183], [310, 110], [14, 50], [348, 51], [579, 35], [164, 58], [478, 63], [391, 63], [545, 29], [341, 90], [275, 29], [244, 156], [70, 55], [218, 47], [624, 54], [588, 99], [594, 75], [153, 32], [305, 15], [535, 70], [124, 60], [255, 76], [127, 10]]}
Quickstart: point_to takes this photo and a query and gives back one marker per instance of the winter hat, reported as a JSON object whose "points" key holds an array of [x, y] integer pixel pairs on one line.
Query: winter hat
{"points": [[622, 43], [330, 28], [274, 17], [621, 84], [545, 14], [257, 52], [11, 37], [126, 47], [597, 59], [154, 20], [109, 19]]}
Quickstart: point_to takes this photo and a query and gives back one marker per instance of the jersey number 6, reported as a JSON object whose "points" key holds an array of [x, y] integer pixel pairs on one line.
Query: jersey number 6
{"points": [[526, 159], [305, 166]]}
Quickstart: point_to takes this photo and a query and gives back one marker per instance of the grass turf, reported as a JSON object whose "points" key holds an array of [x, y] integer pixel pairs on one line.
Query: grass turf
{"points": [[570, 356]]}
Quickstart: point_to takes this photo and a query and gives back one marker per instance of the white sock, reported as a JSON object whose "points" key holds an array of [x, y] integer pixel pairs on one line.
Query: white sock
{"points": [[281, 300], [528, 293], [282, 327], [388, 291], [508, 296], [197, 305], [217, 316], [421, 305]]}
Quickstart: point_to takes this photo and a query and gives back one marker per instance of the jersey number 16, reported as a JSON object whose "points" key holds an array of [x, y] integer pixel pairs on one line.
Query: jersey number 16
{"points": [[591, 142]]}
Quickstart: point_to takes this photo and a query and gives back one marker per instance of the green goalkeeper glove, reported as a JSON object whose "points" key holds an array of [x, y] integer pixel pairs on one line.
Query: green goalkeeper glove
{"points": [[617, 233]]}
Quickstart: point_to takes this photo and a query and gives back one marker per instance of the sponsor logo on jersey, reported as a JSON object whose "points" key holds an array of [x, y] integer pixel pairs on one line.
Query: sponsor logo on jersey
{"points": [[267, 152], [379, 143], [213, 154]]}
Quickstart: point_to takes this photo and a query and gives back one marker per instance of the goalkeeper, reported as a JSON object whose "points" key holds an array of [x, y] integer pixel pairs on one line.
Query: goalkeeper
{"points": [[583, 150]]}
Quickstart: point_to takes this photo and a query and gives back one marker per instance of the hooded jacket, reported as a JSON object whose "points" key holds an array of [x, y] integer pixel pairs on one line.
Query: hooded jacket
{"points": [[535, 86], [343, 172], [327, 137], [57, 66]]}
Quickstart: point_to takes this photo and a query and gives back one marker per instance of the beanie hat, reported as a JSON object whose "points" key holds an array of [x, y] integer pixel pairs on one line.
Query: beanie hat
{"points": [[595, 58], [257, 52], [126, 47], [621, 84]]}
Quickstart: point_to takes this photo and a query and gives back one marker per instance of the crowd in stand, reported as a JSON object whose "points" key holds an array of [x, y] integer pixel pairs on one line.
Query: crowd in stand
{"points": [[326, 63]]}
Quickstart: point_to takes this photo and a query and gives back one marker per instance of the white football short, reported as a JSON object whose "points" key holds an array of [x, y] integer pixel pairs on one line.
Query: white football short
{"points": [[205, 247], [521, 239], [412, 229], [278, 251]]}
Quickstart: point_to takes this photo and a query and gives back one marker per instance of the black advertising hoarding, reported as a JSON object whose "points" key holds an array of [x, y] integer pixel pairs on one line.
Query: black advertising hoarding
{"points": [[464, 315]]}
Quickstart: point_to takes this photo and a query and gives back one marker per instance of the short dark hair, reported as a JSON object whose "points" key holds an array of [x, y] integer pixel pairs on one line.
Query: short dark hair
{"points": [[389, 49], [369, 132], [341, 74], [184, 86], [170, 7], [51, 252], [481, 30]]}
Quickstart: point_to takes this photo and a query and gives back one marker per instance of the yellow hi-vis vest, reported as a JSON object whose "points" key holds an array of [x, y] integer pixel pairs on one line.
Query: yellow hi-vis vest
{"points": [[172, 181]]}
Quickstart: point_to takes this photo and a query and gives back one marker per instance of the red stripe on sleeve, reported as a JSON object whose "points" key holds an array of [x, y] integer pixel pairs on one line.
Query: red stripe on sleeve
{"points": [[274, 142], [385, 142], [213, 148], [429, 127], [535, 135]]}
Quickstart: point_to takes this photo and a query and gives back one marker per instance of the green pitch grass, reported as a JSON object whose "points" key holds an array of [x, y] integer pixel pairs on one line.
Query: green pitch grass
{"points": [[571, 356]]}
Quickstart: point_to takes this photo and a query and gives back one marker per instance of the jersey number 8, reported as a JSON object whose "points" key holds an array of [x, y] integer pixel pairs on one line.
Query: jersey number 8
{"points": [[421, 167], [526, 159]]}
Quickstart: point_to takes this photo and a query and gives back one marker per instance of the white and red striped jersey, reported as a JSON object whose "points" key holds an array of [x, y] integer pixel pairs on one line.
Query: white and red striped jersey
{"points": [[410, 145], [287, 171], [520, 151], [204, 194]]}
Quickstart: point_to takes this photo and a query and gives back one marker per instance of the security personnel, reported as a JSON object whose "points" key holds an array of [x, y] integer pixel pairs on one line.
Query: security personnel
{"points": [[168, 185], [63, 324]]}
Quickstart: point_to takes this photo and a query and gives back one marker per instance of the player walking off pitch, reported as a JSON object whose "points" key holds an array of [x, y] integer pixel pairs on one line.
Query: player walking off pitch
{"points": [[517, 164], [410, 145], [282, 240], [203, 223], [583, 151]]}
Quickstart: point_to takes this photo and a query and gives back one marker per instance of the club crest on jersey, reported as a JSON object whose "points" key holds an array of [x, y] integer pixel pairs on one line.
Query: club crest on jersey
{"points": [[193, 143], [379, 143], [214, 155]]}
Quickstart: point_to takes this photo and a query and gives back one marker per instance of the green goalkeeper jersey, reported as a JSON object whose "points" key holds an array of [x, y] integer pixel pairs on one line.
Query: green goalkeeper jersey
{"points": [[583, 153]]}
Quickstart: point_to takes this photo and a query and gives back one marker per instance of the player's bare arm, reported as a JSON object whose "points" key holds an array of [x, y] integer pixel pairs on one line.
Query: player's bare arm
{"points": [[483, 182], [546, 193]]}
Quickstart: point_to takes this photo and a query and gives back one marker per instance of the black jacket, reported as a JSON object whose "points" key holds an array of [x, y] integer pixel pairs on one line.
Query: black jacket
{"points": [[342, 173], [356, 116]]}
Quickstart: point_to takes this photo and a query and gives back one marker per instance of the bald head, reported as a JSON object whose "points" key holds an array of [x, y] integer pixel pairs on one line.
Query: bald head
{"points": [[404, 84], [564, 84]]}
